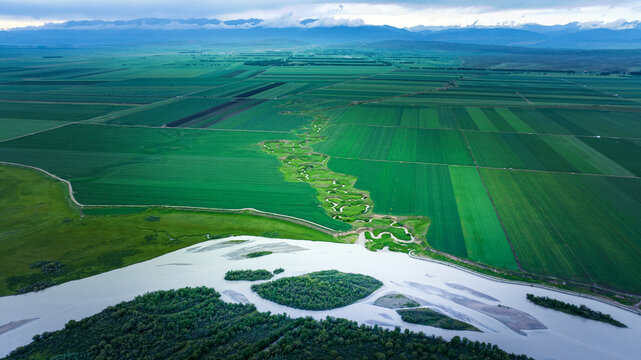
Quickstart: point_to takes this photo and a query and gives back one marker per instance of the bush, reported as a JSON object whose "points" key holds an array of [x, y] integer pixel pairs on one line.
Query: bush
{"points": [[248, 275]]}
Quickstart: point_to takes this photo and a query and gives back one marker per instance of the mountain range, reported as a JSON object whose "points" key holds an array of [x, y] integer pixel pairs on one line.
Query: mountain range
{"points": [[626, 35]]}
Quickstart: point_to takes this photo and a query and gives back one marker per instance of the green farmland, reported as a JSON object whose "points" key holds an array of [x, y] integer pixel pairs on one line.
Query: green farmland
{"points": [[524, 171]]}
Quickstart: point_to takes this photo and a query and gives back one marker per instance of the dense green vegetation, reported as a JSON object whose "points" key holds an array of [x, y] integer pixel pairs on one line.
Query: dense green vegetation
{"points": [[256, 254], [320, 290], [194, 323], [582, 311], [425, 316], [45, 241], [248, 275]]}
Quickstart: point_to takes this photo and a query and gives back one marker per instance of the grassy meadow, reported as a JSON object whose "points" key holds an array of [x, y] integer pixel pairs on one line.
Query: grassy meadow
{"points": [[39, 223]]}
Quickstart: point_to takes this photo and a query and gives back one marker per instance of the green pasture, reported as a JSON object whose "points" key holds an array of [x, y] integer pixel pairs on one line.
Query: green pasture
{"points": [[38, 224]]}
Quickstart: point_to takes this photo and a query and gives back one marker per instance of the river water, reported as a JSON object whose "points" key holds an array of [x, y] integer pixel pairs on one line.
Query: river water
{"points": [[516, 325]]}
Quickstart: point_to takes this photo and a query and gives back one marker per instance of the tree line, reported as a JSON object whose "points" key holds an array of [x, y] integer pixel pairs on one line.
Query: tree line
{"points": [[193, 323], [582, 311]]}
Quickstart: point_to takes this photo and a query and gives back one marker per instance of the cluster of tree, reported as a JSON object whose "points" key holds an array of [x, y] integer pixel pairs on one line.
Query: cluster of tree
{"points": [[582, 311], [193, 323], [271, 62], [248, 275], [425, 316], [320, 290], [278, 271]]}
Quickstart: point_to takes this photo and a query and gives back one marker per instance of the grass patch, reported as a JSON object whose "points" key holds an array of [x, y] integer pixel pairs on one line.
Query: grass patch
{"points": [[429, 317]]}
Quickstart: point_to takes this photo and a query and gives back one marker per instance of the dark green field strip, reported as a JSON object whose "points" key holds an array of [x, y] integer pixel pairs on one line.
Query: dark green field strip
{"points": [[229, 89], [52, 111], [259, 90], [411, 189], [233, 73], [95, 73], [396, 144], [263, 116], [152, 166], [626, 153], [518, 151], [584, 228], [202, 119], [583, 157], [161, 114], [240, 105]]}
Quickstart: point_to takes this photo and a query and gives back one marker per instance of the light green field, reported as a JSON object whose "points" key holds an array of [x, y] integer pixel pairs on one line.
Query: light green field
{"points": [[485, 240], [38, 224]]}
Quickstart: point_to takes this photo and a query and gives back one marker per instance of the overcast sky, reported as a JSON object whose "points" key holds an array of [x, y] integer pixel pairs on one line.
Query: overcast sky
{"points": [[15, 13]]}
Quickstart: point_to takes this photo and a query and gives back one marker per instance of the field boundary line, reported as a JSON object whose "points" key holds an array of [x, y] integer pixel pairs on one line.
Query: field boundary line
{"points": [[446, 86], [492, 131], [335, 83], [583, 86], [294, 219], [491, 167], [63, 125], [524, 98], [186, 128], [523, 283], [39, 131], [68, 102]]}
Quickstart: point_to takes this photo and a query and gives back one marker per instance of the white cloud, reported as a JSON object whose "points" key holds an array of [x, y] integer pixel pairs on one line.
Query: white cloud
{"points": [[279, 13], [409, 16]]}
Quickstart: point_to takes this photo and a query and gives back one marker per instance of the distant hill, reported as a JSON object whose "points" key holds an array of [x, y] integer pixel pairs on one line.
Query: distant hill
{"points": [[315, 31]]}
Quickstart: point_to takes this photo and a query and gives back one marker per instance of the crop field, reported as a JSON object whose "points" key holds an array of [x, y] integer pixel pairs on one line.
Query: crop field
{"points": [[148, 166], [523, 170], [581, 227], [396, 144]]}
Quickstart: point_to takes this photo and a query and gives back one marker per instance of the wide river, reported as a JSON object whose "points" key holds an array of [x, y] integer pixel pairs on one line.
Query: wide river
{"points": [[516, 326]]}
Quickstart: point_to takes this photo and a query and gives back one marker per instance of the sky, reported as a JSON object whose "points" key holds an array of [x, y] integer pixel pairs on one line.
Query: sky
{"points": [[19, 13]]}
